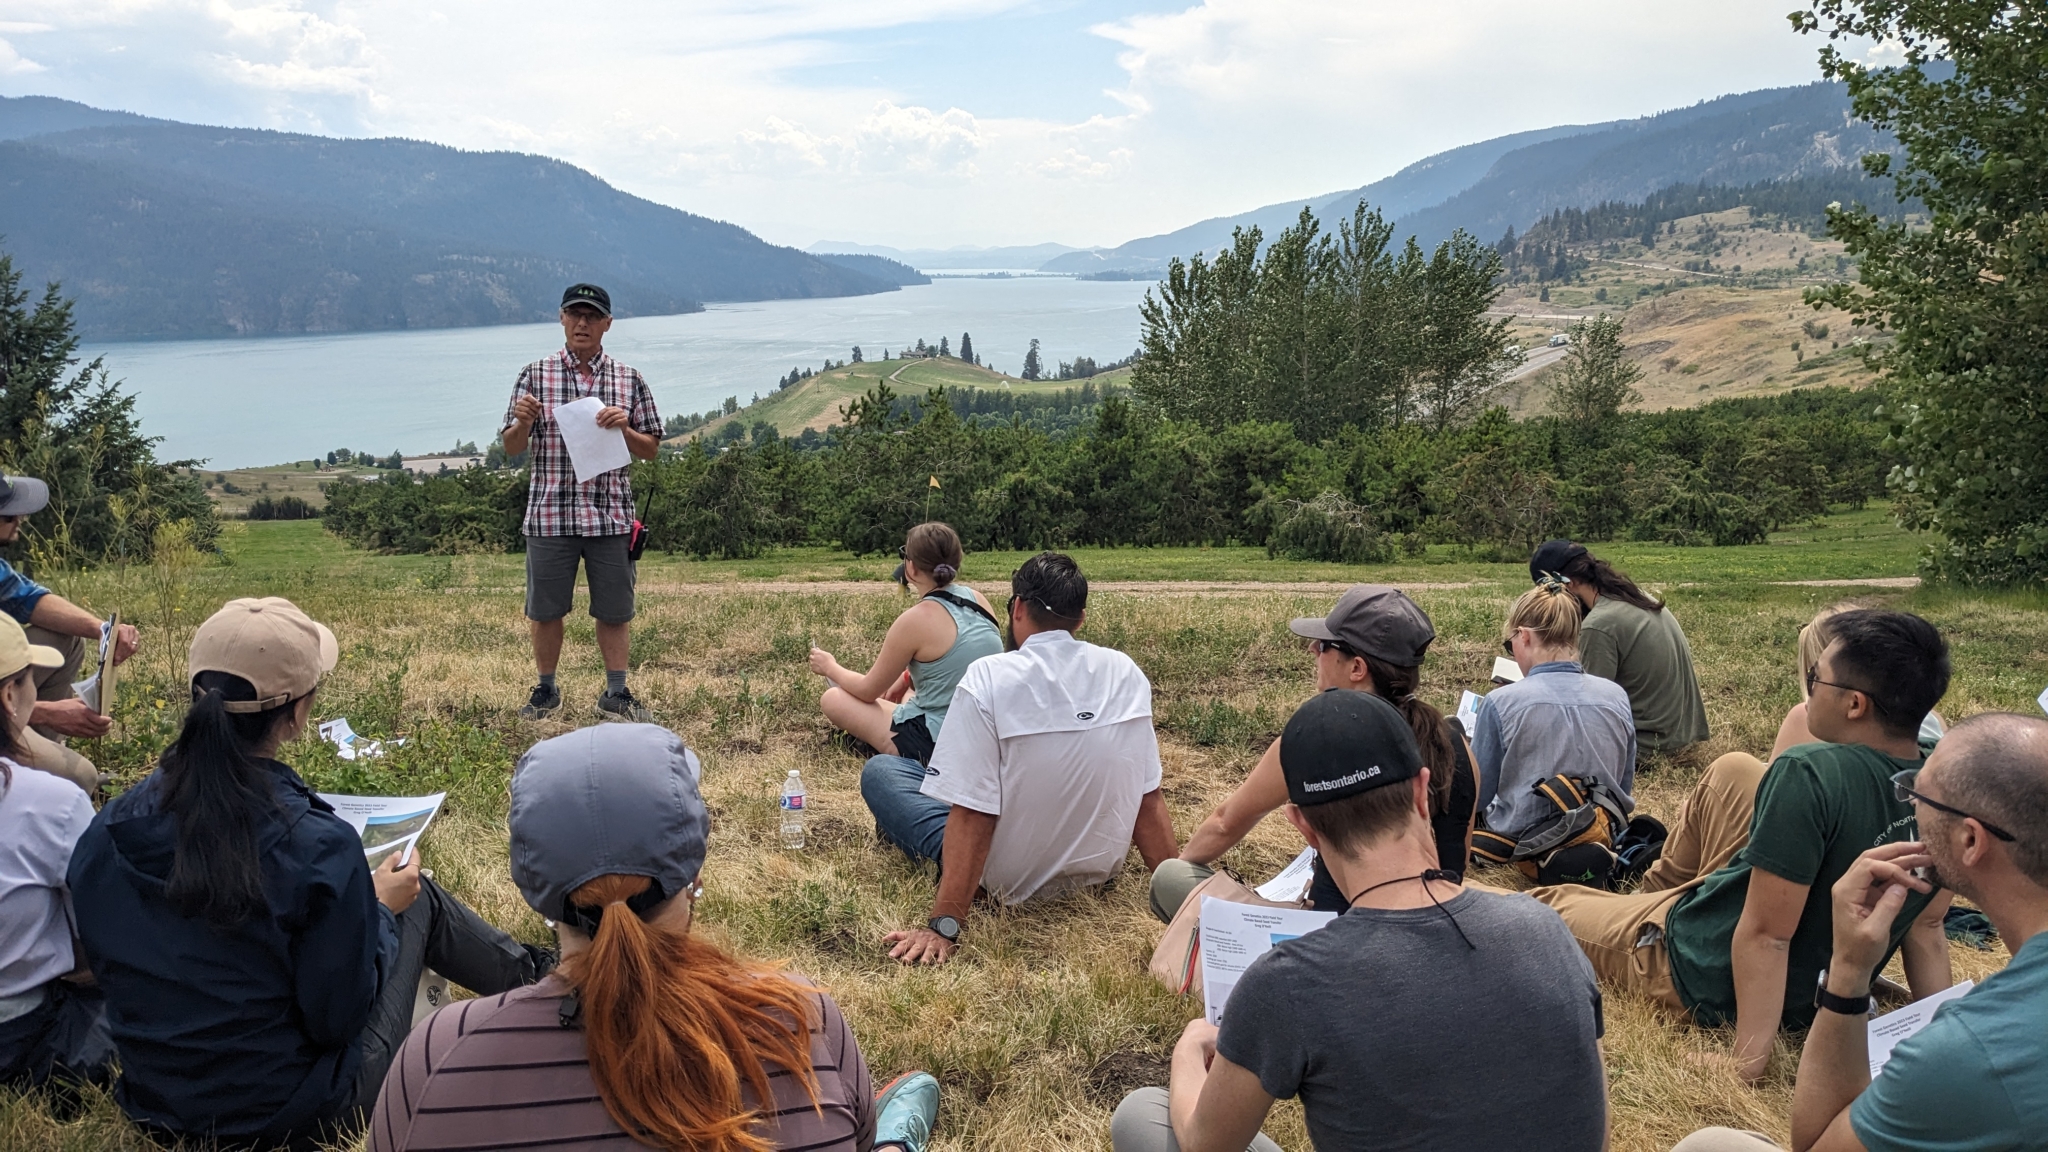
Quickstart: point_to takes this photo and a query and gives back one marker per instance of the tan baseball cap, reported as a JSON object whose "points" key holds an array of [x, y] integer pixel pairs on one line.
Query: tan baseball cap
{"points": [[17, 653], [269, 643]]}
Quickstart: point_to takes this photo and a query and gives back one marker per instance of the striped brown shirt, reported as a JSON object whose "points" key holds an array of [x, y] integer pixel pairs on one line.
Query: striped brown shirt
{"points": [[502, 1072]]}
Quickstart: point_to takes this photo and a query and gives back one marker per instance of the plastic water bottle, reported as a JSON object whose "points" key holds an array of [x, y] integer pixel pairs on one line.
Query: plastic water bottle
{"points": [[793, 811]]}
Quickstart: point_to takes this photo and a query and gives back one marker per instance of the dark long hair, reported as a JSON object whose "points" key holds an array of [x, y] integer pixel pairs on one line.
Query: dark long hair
{"points": [[1603, 578], [218, 792], [1396, 684]]}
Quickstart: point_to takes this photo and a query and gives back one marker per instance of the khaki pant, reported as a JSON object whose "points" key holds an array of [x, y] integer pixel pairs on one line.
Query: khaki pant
{"points": [[1726, 1140], [45, 749], [1623, 933], [1172, 882]]}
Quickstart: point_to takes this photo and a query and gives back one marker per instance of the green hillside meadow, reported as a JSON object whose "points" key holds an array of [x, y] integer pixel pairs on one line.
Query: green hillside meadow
{"points": [[1047, 1017]]}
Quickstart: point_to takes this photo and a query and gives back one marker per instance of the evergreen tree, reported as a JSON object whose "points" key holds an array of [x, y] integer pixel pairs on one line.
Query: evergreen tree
{"points": [[1596, 380], [856, 354], [944, 348], [967, 349], [1967, 291], [74, 428], [1032, 368]]}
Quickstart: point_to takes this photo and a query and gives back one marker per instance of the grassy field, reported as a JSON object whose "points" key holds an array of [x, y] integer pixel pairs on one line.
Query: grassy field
{"points": [[234, 489], [1047, 1017], [815, 403]]}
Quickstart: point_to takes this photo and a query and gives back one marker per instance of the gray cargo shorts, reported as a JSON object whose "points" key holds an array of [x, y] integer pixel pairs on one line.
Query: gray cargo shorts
{"points": [[551, 577]]}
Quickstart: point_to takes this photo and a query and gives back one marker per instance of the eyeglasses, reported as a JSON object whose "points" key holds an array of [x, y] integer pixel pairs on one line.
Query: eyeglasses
{"points": [[1813, 678], [1902, 787], [1321, 646]]}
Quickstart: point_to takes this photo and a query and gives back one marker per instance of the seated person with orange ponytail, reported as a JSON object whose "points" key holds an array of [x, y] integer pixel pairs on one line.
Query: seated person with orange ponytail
{"points": [[644, 1031]]}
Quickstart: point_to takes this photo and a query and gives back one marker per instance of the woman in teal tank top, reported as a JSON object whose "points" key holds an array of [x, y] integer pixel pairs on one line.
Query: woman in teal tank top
{"points": [[899, 704]]}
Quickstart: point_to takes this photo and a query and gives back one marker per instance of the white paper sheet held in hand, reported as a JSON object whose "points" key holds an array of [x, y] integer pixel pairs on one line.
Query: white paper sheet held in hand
{"points": [[387, 824], [1234, 935], [1468, 712], [593, 450], [1888, 1030], [1293, 881]]}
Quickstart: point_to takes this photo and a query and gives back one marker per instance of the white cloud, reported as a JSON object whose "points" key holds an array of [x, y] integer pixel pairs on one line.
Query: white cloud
{"points": [[794, 117]]}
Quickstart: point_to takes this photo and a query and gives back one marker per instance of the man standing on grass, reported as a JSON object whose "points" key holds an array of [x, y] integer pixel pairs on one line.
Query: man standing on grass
{"points": [[591, 521], [53, 621], [1976, 1077]]}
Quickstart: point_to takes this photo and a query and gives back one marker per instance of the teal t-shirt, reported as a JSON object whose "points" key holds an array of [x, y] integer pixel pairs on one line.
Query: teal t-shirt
{"points": [[1976, 1078], [1818, 808]]}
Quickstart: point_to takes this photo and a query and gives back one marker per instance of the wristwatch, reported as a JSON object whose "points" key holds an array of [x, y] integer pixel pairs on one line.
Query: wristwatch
{"points": [[1846, 1005], [945, 926]]}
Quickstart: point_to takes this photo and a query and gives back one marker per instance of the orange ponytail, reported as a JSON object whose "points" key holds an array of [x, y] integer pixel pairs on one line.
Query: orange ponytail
{"points": [[674, 1026]]}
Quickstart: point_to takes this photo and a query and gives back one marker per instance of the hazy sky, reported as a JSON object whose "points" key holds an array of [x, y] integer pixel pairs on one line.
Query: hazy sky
{"points": [[915, 122]]}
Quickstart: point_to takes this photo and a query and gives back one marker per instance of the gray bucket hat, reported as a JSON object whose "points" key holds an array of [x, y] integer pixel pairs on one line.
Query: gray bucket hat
{"points": [[611, 800], [23, 495]]}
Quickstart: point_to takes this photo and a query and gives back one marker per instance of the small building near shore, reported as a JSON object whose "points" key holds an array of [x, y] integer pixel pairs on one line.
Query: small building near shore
{"points": [[434, 465]]}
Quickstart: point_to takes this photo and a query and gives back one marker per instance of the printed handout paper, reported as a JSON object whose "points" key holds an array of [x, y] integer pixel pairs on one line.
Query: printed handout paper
{"points": [[1293, 881], [349, 743], [1234, 935], [387, 824], [97, 690], [1889, 1029], [593, 450], [1468, 712]]}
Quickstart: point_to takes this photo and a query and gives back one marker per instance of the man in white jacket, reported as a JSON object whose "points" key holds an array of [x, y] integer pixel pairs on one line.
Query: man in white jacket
{"points": [[1046, 772]]}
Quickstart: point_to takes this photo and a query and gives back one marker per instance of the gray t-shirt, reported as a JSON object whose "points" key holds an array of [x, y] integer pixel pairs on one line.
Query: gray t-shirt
{"points": [[1395, 1035]]}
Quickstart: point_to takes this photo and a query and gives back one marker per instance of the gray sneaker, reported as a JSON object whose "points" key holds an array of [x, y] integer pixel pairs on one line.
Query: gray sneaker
{"points": [[621, 705], [542, 704]]}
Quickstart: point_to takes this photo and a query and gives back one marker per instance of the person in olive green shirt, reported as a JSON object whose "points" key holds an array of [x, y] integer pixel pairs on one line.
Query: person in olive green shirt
{"points": [[1732, 923], [1633, 640]]}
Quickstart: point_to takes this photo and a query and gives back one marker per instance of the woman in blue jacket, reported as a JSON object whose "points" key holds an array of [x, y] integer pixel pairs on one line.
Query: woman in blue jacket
{"points": [[258, 974]]}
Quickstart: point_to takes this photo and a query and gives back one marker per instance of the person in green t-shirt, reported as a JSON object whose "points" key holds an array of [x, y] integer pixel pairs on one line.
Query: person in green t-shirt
{"points": [[1631, 638], [1975, 1078], [1732, 923]]}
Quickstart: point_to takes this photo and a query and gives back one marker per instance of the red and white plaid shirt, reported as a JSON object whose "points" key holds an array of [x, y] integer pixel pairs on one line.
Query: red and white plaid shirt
{"points": [[556, 505]]}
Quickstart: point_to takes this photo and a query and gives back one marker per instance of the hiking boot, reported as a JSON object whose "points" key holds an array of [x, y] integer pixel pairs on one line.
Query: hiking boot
{"points": [[542, 704], [905, 1112], [620, 705], [1589, 864]]}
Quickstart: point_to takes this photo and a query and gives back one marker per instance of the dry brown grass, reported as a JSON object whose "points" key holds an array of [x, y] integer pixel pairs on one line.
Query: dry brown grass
{"points": [[1047, 1016]]}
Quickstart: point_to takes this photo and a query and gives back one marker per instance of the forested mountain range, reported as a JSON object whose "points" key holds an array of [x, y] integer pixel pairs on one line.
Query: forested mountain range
{"points": [[168, 229], [1513, 181]]}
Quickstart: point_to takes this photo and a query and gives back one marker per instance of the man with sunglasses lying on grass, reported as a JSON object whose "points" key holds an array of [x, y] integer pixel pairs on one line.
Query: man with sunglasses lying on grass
{"points": [[1732, 923]]}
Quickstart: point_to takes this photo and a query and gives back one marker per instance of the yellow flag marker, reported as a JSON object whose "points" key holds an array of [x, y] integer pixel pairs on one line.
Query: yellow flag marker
{"points": [[935, 481]]}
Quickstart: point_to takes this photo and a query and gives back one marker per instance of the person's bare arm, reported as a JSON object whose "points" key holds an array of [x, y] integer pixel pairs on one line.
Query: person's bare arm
{"points": [[1262, 791], [525, 413], [1213, 1104], [1760, 952], [1792, 732], [1924, 951], [67, 619], [963, 856], [918, 629], [1153, 832], [1834, 1069]]}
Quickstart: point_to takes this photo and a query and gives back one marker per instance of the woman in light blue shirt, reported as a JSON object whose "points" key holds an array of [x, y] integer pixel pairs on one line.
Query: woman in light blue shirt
{"points": [[925, 652], [1556, 719]]}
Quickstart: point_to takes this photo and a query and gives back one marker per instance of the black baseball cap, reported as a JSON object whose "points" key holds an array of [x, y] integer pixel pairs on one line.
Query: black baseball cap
{"points": [[1342, 743], [1375, 620], [589, 294], [1552, 557]]}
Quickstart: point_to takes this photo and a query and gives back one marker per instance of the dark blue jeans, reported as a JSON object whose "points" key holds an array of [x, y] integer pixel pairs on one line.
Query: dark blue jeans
{"points": [[65, 1040], [904, 816]]}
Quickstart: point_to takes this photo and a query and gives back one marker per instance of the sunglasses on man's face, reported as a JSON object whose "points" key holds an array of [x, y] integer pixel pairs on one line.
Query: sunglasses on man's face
{"points": [[1902, 788], [1321, 646]]}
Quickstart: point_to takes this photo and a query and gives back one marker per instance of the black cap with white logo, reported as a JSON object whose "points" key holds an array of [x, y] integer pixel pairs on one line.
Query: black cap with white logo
{"points": [[1343, 742]]}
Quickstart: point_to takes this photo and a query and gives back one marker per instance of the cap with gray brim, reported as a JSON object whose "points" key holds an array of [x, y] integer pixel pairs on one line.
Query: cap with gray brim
{"points": [[1375, 620], [611, 800], [23, 495]]}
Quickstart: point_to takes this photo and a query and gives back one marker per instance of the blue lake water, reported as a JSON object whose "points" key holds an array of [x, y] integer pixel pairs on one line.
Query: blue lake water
{"points": [[237, 403]]}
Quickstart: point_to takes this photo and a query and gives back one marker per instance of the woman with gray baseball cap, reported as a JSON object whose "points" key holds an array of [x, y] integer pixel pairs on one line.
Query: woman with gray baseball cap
{"points": [[645, 1028], [1372, 641]]}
